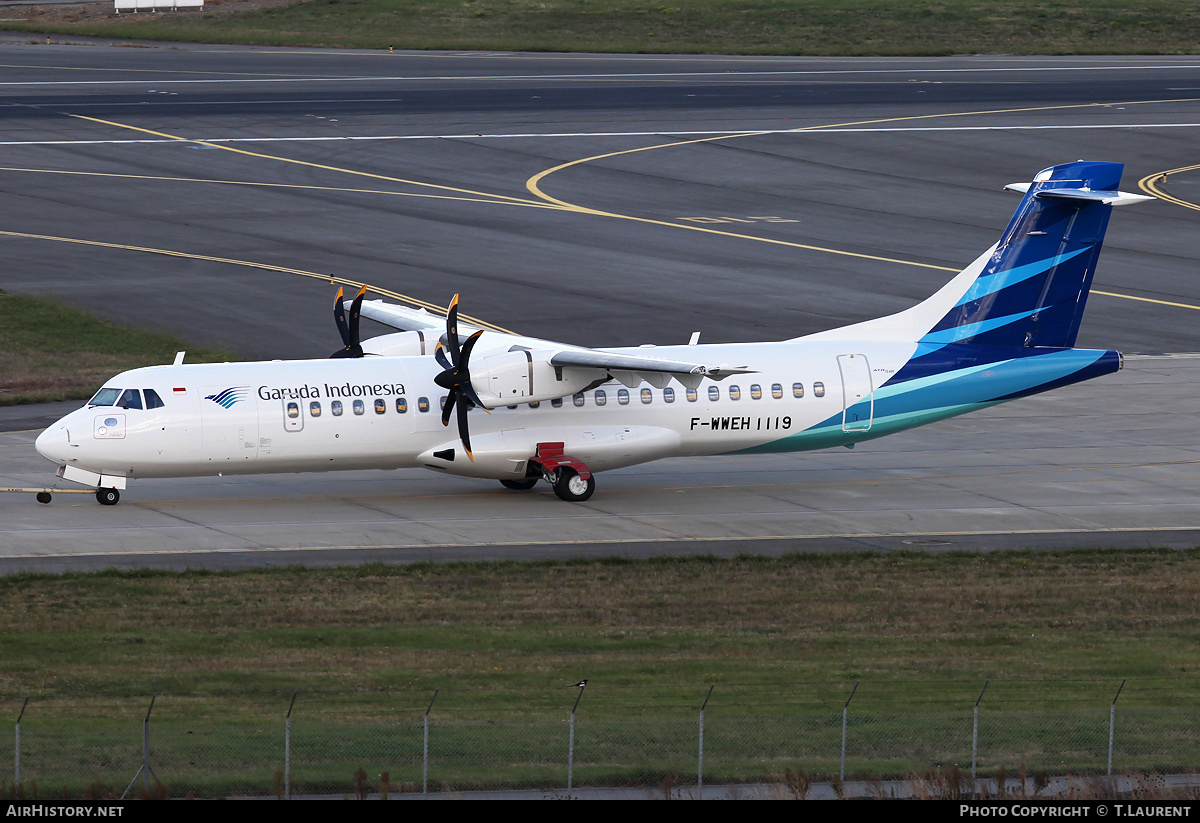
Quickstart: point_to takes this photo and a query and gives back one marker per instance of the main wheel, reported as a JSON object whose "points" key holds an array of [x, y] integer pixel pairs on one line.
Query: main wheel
{"points": [[522, 485], [108, 497], [571, 487]]}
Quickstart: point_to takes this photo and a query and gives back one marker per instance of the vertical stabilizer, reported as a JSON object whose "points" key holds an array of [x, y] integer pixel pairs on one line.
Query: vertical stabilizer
{"points": [[1033, 286]]}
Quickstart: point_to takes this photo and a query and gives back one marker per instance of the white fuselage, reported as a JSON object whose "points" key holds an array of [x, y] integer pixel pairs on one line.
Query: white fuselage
{"points": [[385, 413]]}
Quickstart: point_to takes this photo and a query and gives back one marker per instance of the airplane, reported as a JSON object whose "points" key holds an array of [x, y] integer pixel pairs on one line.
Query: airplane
{"points": [[1003, 328]]}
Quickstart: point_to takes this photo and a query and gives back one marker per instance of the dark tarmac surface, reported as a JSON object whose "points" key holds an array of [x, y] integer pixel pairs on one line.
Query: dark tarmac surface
{"points": [[601, 200]]}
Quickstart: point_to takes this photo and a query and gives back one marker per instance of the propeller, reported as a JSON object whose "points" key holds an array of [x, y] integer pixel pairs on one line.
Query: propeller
{"points": [[456, 379], [349, 330]]}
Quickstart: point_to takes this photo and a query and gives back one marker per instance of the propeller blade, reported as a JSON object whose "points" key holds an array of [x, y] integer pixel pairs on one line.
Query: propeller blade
{"points": [[348, 328], [339, 317], [464, 434], [468, 391], [355, 313], [439, 354], [455, 376], [465, 356], [452, 329]]}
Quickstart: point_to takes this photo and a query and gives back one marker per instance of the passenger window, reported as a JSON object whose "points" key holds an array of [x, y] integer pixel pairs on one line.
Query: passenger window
{"points": [[359, 407], [556, 402], [623, 396], [422, 404], [668, 395], [153, 401], [314, 409], [819, 389], [442, 402], [105, 397], [755, 392], [380, 406], [130, 399], [293, 409], [714, 393], [601, 397], [647, 395], [578, 399], [776, 390], [735, 393], [401, 405], [335, 408], [797, 390], [692, 395], [535, 404]]}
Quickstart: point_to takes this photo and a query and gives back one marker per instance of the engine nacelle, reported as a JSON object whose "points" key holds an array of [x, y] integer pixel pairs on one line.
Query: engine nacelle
{"points": [[526, 377], [401, 344]]}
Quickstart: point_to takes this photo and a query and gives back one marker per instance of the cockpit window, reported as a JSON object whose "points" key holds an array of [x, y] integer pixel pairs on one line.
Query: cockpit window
{"points": [[105, 397], [130, 399], [153, 401]]}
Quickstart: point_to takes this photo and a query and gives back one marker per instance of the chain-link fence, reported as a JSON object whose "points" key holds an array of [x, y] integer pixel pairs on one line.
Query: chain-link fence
{"points": [[56, 751]]}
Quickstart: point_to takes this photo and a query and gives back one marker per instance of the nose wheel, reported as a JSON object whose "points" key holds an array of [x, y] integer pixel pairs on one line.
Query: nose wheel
{"points": [[108, 497]]}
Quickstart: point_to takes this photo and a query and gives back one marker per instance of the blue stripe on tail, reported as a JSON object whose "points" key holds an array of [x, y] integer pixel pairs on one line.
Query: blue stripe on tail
{"points": [[1033, 290]]}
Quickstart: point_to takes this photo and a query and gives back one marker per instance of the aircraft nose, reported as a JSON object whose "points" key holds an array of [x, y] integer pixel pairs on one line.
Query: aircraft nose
{"points": [[53, 443]]}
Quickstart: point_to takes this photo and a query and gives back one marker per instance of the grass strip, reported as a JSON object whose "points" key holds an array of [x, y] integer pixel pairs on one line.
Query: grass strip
{"points": [[784, 640], [791, 27], [50, 351], [924, 631]]}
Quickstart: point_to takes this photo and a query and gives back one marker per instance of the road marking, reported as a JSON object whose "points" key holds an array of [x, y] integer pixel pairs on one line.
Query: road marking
{"points": [[555, 135], [304, 162], [488, 200], [332, 279], [1150, 182], [442, 78], [533, 184], [612, 541]]}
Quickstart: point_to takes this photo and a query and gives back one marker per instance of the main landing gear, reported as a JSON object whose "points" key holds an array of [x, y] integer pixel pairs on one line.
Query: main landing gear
{"points": [[571, 486], [569, 476]]}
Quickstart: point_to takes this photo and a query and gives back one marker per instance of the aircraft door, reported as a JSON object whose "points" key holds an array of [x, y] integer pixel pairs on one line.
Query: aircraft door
{"points": [[858, 399]]}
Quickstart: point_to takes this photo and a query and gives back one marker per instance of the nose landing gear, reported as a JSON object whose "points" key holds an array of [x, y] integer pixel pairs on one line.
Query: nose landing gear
{"points": [[107, 497]]}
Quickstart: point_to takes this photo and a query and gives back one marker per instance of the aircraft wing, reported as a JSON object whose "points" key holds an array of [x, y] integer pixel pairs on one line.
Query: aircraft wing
{"points": [[629, 369]]}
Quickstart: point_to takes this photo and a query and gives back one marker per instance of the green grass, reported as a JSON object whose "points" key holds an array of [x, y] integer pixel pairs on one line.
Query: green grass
{"points": [[507, 636], [813, 27], [783, 640], [50, 351]]}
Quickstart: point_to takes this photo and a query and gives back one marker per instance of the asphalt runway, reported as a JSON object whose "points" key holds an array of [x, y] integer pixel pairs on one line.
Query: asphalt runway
{"points": [[602, 200]]}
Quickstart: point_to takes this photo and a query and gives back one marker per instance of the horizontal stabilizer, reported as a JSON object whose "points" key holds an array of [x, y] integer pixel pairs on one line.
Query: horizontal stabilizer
{"points": [[1108, 198]]}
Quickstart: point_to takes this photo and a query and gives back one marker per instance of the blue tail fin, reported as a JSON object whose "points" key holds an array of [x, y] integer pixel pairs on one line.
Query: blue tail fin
{"points": [[1032, 290]]}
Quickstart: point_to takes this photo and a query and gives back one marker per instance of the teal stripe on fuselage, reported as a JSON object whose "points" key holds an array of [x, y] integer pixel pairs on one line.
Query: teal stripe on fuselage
{"points": [[937, 397]]}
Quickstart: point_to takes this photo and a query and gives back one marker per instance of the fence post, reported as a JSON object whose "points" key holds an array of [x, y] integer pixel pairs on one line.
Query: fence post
{"points": [[975, 736], [287, 749], [700, 767], [845, 713], [17, 759], [425, 749], [581, 685], [145, 769], [1112, 720]]}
